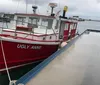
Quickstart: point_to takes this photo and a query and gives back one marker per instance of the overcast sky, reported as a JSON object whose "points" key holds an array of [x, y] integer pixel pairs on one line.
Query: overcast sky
{"points": [[82, 8]]}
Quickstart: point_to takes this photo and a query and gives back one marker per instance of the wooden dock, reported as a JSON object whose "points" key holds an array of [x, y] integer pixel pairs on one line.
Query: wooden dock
{"points": [[78, 63]]}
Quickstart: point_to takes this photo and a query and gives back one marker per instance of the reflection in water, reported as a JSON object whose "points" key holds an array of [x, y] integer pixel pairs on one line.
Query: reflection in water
{"points": [[16, 73]]}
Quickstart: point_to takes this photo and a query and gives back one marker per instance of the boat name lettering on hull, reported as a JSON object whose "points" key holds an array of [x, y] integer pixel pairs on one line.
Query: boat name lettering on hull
{"points": [[22, 46]]}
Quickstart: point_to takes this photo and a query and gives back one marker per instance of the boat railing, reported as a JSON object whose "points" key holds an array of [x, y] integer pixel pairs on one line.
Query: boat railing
{"points": [[27, 30]]}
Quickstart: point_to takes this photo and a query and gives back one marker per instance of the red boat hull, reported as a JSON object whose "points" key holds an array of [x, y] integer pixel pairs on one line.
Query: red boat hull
{"points": [[22, 53]]}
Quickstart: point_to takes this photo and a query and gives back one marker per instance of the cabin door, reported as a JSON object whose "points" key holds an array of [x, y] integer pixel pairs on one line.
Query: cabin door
{"points": [[66, 32], [62, 27], [73, 29]]}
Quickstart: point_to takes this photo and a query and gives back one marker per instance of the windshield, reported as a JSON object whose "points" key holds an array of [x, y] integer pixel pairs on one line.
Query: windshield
{"points": [[33, 20], [21, 20], [47, 22]]}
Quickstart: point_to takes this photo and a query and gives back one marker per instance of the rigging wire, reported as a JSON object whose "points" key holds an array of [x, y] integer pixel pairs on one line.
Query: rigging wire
{"points": [[48, 8], [34, 2], [17, 6], [26, 5], [37, 5], [38, 11], [59, 4], [59, 7]]}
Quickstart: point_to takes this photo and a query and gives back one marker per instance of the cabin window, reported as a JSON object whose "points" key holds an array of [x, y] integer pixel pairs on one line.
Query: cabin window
{"points": [[47, 22], [62, 25], [44, 22], [66, 26], [21, 20], [71, 26], [33, 22], [56, 27], [75, 25]]}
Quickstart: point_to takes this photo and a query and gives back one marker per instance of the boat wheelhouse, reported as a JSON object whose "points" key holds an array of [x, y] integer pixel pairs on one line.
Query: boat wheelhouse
{"points": [[69, 28]]}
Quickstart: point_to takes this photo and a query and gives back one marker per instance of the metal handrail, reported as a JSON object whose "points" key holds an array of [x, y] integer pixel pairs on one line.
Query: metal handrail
{"points": [[30, 31]]}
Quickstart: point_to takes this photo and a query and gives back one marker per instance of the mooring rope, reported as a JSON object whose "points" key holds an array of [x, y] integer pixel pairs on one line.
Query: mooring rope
{"points": [[5, 61]]}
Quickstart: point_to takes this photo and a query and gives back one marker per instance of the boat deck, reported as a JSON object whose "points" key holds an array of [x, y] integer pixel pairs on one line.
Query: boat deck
{"points": [[78, 63]]}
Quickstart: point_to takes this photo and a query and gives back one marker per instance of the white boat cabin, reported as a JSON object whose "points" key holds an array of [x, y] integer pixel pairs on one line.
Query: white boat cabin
{"points": [[40, 27], [35, 27], [38, 24]]}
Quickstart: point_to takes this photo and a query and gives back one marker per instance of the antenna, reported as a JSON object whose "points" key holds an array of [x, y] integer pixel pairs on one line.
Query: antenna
{"points": [[17, 6], [34, 7], [52, 5]]}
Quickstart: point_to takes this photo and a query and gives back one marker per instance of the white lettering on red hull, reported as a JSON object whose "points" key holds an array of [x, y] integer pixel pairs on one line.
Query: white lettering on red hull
{"points": [[36, 47], [22, 46]]}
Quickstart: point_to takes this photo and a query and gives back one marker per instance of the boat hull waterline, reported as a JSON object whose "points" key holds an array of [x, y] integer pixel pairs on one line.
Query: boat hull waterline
{"points": [[18, 53]]}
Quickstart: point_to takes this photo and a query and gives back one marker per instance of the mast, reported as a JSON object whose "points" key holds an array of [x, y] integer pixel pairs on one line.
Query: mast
{"points": [[26, 6]]}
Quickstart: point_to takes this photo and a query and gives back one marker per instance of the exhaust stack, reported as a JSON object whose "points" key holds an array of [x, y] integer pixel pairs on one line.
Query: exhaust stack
{"points": [[65, 10]]}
